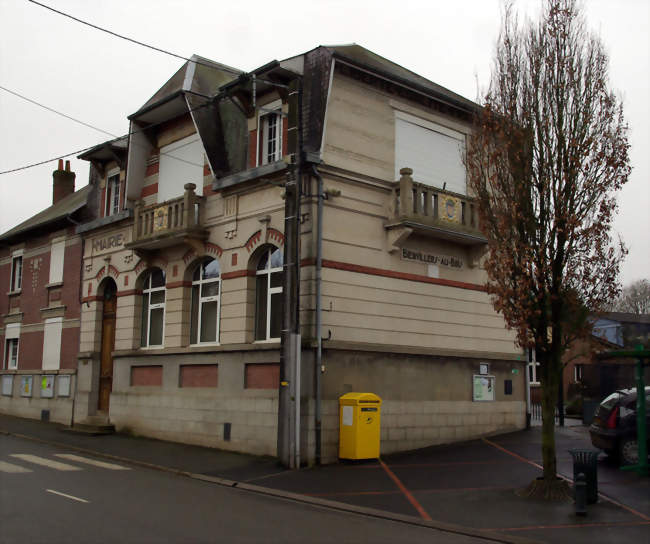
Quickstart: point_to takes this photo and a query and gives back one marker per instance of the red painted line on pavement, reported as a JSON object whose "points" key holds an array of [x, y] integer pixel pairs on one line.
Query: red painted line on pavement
{"points": [[406, 492], [569, 526], [440, 490], [351, 493], [609, 499], [448, 464]]}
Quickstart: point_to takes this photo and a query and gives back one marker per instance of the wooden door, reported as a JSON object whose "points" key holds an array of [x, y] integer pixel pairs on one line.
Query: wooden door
{"points": [[108, 344]]}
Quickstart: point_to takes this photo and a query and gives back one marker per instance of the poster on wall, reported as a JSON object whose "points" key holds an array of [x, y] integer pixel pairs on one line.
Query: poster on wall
{"points": [[483, 388], [7, 385], [26, 386], [64, 386], [47, 387]]}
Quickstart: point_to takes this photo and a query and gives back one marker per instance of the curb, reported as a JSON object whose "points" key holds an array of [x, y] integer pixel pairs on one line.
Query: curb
{"points": [[491, 536]]}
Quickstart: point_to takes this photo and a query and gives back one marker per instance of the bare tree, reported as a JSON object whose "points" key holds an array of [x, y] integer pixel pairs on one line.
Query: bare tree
{"points": [[548, 153], [634, 299]]}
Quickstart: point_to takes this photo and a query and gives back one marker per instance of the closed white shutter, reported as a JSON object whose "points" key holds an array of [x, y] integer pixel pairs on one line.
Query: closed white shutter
{"points": [[180, 163], [52, 343], [57, 254], [435, 153]]}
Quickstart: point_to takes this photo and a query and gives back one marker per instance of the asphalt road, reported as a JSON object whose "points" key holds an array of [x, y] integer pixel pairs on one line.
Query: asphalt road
{"points": [[52, 495]]}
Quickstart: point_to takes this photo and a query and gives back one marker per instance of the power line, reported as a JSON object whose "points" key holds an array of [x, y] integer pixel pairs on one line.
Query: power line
{"points": [[55, 111], [221, 67], [32, 165]]}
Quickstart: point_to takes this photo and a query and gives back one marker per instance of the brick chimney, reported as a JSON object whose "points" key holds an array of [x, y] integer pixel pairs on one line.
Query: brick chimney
{"points": [[63, 182]]}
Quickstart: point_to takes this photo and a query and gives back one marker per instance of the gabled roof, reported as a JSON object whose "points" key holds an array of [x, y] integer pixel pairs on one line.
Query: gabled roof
{"points": [[57, 212], [623, 317], [366, 59]]}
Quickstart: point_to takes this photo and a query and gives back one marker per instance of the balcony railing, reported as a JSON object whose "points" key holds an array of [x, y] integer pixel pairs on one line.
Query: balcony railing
{"points": [[161, 225], [440, 213]]}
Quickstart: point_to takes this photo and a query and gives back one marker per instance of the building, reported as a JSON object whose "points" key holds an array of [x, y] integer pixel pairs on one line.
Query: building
{"points": [[40, 272], [187, 269]]}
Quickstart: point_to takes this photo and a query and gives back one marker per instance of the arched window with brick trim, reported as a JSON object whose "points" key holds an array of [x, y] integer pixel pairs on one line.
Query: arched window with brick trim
{"points": [[206, 303], [268, 294]]}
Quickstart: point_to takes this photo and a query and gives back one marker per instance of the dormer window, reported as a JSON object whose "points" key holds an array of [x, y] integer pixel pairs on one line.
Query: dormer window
{"points": [[270, 133], [112, 194]]}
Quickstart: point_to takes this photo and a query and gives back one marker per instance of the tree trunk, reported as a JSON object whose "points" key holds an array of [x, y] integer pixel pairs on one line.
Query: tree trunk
{"points": [[549, 400]]}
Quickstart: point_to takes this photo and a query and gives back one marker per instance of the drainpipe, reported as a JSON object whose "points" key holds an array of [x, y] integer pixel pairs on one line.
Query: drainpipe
{"points": [[319, 335]]}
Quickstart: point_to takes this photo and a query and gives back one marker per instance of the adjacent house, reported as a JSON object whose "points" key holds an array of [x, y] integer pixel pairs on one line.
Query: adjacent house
{"points": [[40, 275], [196, 248]]}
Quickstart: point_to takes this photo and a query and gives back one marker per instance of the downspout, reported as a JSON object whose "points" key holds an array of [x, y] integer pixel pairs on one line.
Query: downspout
{"points": [[319, 335]]}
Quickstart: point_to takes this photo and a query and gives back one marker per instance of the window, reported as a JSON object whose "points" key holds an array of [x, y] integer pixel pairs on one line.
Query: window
{"points": [[153, 308], [113, 194], [16, 273], [435, 153], [57, 257], [11, 354], [181, 162], [533, 367], [206, 291], [577, 373], [52, 329], [269, 147], [268, 295]]}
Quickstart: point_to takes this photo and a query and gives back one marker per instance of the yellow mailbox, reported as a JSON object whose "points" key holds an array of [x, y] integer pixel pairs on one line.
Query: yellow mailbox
{"points": [[359, 424]]}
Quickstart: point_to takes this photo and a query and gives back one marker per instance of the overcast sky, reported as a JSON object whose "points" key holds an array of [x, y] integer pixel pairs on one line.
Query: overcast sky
{"points": [[101, 79]]}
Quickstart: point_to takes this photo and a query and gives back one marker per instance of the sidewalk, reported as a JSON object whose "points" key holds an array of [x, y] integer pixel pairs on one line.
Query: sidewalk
{"points": [[467, 488]]}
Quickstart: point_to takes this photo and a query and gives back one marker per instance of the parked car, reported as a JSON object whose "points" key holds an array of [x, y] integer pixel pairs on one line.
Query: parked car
{"points": [[614, 427]]}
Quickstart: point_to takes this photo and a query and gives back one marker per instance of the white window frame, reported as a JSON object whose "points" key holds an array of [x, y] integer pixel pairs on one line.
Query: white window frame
{"points": [[263, 137], [146, 295], [578, 371], [112, 191], [533, 367], [201, 299], [16, 278], [11, 362], [267, 270]]}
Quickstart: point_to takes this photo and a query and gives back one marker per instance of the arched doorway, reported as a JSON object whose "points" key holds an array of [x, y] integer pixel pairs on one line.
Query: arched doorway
{"points": [[108, 344]]}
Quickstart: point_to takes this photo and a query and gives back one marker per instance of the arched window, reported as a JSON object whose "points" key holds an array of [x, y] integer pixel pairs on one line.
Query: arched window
{"points": [[206, 307], [268, 295], [153, 308]]}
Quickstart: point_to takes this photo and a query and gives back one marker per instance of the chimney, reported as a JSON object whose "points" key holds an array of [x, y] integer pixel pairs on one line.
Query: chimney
{"points": [[63, 182]]}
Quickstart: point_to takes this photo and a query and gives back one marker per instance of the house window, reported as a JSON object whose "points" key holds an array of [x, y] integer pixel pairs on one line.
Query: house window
{"points": [[113, 194], [16, 273], [577, 373], [153, 309], [533, 367], [11, 354], [270, 135], [206, 292], [181, 162], [268, 295], [434, 152]]}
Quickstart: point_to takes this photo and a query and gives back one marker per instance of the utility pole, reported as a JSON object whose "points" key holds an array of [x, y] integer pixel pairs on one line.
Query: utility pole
{"points": [[289, 393]]}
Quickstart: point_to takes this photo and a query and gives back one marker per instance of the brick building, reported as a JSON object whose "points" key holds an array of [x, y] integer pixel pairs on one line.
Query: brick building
{"points": [[40, 275]]}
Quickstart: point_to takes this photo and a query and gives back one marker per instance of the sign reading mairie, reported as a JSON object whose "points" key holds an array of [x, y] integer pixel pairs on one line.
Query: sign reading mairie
{"points": [[108, 243], [430, 258]]}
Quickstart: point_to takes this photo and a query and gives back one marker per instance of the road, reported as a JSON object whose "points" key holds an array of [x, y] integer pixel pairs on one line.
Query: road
{"points": [[52, 495]]}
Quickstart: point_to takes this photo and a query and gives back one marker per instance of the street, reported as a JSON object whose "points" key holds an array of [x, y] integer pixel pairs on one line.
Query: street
{"points": [[50, 495]]}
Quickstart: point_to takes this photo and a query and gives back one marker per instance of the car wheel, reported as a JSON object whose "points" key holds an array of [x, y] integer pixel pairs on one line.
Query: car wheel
{"points": [[629, 450]]}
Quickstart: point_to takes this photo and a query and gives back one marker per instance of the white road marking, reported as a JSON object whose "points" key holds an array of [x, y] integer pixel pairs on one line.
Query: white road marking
{"points": [[94, 462], [44, 462], [12, 469], [66, 496]]}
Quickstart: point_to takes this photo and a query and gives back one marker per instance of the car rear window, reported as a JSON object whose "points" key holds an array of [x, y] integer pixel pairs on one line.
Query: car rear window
{"points": [[611, 401]]}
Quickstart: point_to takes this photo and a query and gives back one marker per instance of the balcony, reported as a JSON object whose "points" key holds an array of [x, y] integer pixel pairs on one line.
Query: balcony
{"points": [[174, 222], [425, 210]]}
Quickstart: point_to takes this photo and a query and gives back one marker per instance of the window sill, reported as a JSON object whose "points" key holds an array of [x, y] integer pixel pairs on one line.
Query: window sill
{"points": [[54, 285], [269, 341], [15, 292]]}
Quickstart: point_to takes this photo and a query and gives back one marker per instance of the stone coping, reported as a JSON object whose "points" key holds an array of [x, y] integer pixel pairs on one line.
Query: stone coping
{"points": [[40, 371]]}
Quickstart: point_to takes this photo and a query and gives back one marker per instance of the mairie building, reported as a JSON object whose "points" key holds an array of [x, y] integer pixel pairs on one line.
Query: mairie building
{"points": [[184, 262]]}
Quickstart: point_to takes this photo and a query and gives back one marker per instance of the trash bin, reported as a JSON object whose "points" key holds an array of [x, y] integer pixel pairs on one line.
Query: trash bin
{"points": [[586, 461], [359, 426]]}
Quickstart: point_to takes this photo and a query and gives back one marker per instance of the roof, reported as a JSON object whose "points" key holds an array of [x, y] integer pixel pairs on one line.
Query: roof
{"points": [[63, 208], [364, 58], [197, 76], [106, 150], [623, 317]]}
